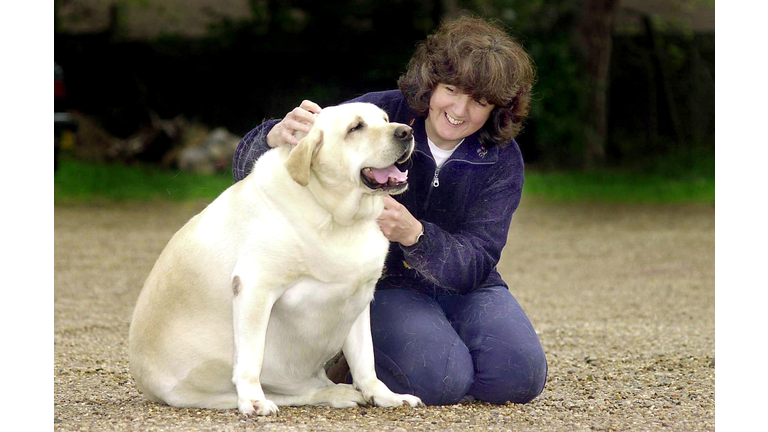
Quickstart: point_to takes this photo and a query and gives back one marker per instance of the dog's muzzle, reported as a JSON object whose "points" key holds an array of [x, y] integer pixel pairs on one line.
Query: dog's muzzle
{"points": [[390, 179]]}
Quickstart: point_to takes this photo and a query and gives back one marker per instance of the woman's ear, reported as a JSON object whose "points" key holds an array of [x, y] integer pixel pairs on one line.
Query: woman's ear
{"points": [[299, 161]]}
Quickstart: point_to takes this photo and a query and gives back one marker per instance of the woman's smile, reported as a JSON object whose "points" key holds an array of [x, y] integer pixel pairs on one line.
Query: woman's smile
{"points": [[463, 116], [452, 120]]}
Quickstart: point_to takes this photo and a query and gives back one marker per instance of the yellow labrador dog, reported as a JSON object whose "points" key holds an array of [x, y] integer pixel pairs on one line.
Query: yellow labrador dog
{"points": [[253, 295]]}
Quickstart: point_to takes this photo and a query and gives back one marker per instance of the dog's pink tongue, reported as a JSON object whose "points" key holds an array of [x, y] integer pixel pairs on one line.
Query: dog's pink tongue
{"points": [[382, 175]]}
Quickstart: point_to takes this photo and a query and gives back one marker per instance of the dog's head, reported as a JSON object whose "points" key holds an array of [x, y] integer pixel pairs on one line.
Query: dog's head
{"points": [[354, 144]]}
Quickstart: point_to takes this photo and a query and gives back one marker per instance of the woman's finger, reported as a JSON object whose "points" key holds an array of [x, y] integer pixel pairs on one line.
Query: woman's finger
{"points": [[310, 106]]}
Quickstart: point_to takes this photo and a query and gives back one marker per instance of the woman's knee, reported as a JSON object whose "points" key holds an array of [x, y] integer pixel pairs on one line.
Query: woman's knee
{"points": [[514, 373], [417, 351], [509, 360], [442, 381], [447, 381]]}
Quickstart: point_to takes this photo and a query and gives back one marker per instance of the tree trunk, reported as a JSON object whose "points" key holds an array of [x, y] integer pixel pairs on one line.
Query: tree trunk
{"points": [[594, 31], [664, 76]]}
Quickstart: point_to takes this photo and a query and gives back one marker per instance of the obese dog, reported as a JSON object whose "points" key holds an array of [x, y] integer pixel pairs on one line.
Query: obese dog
{"points": [[253, 295]]}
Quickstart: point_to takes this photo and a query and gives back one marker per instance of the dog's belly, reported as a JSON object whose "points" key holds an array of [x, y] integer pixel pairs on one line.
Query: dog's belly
{"points": [[308, 326]]}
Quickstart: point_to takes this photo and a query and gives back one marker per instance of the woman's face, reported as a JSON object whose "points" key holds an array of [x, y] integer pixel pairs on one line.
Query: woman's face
{"points": [[454, 116]]}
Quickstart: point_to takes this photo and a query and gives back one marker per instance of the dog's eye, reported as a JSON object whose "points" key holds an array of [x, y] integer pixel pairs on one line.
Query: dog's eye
{"points": [[356, 127]]}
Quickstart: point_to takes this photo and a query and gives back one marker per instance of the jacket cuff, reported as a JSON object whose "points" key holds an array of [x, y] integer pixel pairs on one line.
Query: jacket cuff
{"points": [[415, 253]]}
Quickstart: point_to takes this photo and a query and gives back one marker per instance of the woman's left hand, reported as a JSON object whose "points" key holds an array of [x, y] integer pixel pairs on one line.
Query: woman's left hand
{"points": [[398, 224]]}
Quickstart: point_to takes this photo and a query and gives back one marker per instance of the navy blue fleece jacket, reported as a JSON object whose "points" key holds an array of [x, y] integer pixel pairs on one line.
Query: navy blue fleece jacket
{"points": [[466, 205]]}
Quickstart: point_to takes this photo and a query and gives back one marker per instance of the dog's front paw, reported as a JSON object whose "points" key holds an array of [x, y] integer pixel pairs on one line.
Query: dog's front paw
{"points": [[378, 394], [411, 400], [395, 400], [261, 407]]}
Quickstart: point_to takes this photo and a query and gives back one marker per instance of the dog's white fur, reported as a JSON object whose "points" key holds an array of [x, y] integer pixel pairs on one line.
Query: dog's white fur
{"points": [[253, 295]]}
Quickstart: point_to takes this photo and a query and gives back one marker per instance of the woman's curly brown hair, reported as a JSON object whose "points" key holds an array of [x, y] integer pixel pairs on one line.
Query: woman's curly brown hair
{"points": [[481, 60]]}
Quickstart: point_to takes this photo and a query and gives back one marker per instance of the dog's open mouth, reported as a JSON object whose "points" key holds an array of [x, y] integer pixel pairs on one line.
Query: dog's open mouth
{"points": [[384, 178]]}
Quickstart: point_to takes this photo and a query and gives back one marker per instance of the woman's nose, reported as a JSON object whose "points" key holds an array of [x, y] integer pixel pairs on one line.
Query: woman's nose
{"points": [[460, 106]]}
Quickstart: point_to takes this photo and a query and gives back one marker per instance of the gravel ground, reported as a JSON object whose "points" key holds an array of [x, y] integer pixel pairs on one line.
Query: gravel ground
{"points": [[623, 298]]}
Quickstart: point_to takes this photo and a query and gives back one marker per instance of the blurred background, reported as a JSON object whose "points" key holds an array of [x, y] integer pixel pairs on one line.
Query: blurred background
{"points": [[623, 85]]}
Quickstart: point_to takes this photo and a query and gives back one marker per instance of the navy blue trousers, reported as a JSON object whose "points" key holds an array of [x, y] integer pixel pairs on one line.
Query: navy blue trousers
{"points": [[444, 347]]}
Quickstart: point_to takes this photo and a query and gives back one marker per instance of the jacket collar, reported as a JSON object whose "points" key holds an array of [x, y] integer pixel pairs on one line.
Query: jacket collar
{"points": [[470, 150]]}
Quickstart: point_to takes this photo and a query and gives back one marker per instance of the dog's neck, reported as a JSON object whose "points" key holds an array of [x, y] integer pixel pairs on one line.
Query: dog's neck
{"points": [[348, 207]]}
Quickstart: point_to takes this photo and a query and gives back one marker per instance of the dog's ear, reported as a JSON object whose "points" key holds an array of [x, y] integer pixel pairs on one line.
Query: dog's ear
{"points": [[300, 159]]}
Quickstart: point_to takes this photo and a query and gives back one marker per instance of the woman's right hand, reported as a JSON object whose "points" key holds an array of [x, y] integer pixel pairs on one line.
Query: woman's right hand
{"points": [[296, 122]]}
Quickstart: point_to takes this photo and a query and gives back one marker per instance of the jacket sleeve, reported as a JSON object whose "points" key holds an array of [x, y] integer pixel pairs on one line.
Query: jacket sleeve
{"points": [[461, 260], [251, 147]]}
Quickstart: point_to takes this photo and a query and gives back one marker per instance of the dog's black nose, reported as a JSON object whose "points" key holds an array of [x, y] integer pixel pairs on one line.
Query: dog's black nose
{"points": [[403, 133]]}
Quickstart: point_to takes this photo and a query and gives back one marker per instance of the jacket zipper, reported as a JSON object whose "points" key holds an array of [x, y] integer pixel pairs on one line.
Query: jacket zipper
{"points": [[435, 184], [436, 180]]}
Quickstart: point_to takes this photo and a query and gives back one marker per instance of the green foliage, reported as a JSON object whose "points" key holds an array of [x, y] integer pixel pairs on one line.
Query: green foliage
{"points": [[77, 181], [80, 182], [557, 106], [618, 187], [677, 179]]}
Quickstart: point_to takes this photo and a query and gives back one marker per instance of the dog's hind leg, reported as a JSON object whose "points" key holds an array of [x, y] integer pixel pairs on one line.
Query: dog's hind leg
{"points": [[336, 396]]}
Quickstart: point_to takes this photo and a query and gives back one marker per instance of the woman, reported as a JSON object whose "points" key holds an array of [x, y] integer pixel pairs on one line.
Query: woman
{"points": [[445, 326]]}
